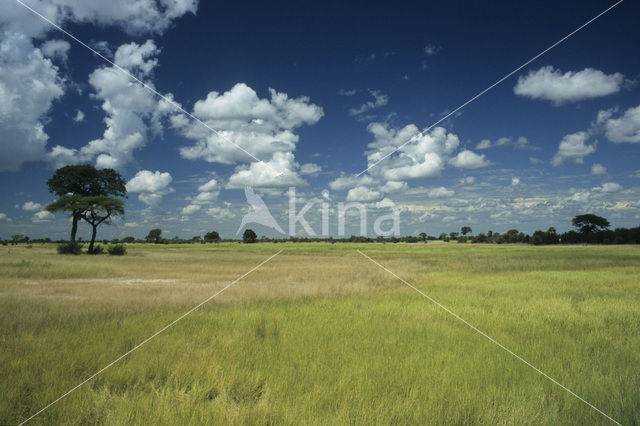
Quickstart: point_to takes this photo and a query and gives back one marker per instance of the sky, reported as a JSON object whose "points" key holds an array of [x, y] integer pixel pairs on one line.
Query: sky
{"points": [[345, 102]]}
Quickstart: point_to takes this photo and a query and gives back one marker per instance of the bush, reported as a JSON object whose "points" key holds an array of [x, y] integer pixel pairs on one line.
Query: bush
{"points": [[98, 249], [70, 248], [117, 250]]}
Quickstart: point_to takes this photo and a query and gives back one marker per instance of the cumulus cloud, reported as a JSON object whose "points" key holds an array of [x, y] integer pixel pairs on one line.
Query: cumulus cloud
{"points": [[598, 169], [609, 187], [43, 216], [469, 160], [573, 147], [4, 217], [551, 84], [30, 206], [515, 181], [379, 99], [394, 186], [310, 169], [278, 172], [468, 180], [133, 16], [363, 194], [518, 143], [262, 127], [79, 117], [55, 49], [423, 157], [131, 111], [345, 182], [440, 192], [29, 85], [190, 209], [625, 128], [150, 186]]}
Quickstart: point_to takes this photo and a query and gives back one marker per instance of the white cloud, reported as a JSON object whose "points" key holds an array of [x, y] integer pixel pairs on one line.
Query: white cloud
{"points": [[211, 186], [43, 216], [609, 187], [379, 99], [420, 156], [346, 182], [515, 181], [547, 83], [469, 160], [431, 49], [133, 16], [598, 169], [131, 225], [310, 169], [440, 192], [29, 84], [519, 143], [363, 194], [4, 217], [278, 172], [151, 186], [262, 127], [469, 180], [626, 128], [350, 92], [79, 117], [30, 206], [394, 186], [573, 147], [55, 49], [130, 110], [190, 209]]}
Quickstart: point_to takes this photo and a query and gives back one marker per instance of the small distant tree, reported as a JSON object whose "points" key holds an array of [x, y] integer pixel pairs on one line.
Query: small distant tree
{"points": [[154, 236], [249, 236], [466, 230], [128, 239], [211, 237], [453, 235], [196, 239], [442, 236], [589, 223], [423, 236]]}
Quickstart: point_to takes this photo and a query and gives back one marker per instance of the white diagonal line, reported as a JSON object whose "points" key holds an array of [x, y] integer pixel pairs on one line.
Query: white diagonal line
{"points": [[146, 86], [490, 87], [148, 339], [491, 339]]}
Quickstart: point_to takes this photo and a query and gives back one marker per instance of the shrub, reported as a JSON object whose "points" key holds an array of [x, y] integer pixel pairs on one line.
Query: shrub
{"points": [[70, 248], [98, 249], [117, 250]]}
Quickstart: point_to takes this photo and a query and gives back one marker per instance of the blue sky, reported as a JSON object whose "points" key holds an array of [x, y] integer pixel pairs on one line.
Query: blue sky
{"points": [[320, 93]]}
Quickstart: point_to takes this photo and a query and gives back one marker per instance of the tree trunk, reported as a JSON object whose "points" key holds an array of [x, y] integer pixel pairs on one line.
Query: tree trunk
{"points": [[93, 238], [74, 226]]}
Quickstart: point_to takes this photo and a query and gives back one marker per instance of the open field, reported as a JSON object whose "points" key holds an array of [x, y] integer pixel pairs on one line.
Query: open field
{"points": [[321, 335]]}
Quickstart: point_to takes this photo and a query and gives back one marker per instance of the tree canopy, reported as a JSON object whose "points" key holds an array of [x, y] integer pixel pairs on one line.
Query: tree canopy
{"points": [[589, 223], [154, 236], [249, 236], [73, 183]]}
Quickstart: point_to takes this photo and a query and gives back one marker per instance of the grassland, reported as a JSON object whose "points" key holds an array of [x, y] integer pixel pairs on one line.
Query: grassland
{"points": [[320, 335]]}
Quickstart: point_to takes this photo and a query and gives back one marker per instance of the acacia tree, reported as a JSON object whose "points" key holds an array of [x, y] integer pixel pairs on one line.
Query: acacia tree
{"points": [[154, 236], [466, 230], [588, 223], [71, 183], [99, 210]]}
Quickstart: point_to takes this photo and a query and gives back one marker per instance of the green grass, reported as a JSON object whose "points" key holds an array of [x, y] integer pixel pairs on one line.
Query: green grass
{"points": [[320, 335]]}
